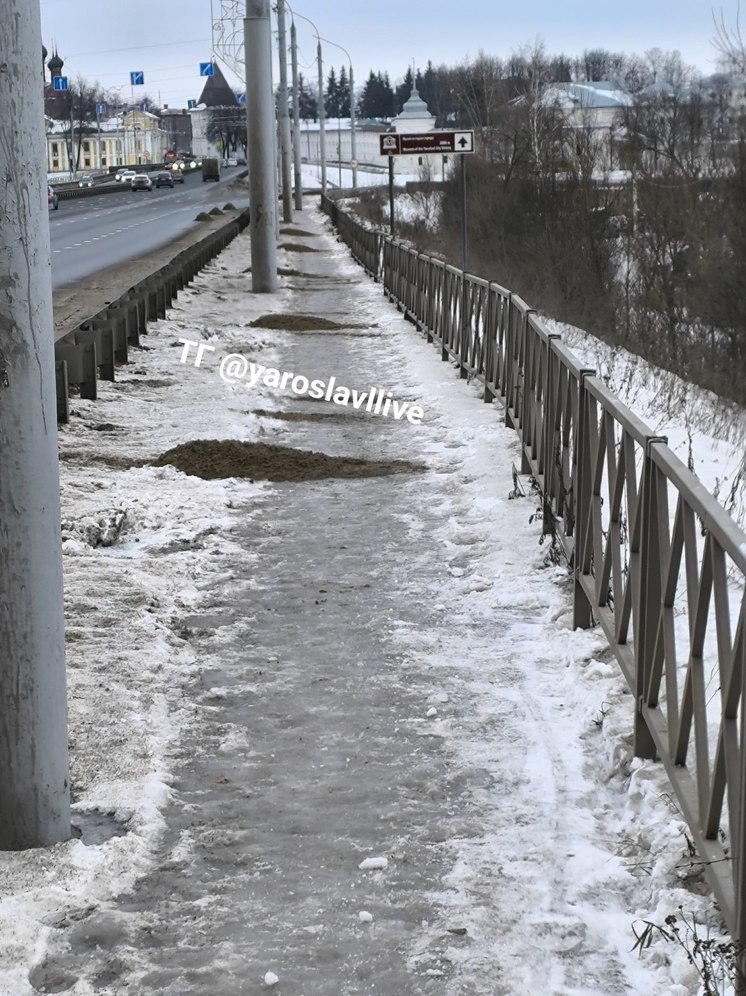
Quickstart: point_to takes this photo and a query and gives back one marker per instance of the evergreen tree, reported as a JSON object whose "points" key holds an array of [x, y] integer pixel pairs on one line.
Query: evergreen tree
{"points": [[367, 105], [343, 94], [308, 105], [388, 97], [435, 90], [331, 99], [404, 90], [377, 98]]}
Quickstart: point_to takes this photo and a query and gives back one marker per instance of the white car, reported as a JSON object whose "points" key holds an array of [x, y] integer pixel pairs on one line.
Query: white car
{"points": [[232, 162], [125, 175], [141, 181]]}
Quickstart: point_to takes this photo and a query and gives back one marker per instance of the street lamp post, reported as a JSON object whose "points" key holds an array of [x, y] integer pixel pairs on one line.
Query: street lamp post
{"points": [[282, 113], [353, 148], [322, 115], [123, 141], [297, 172]]}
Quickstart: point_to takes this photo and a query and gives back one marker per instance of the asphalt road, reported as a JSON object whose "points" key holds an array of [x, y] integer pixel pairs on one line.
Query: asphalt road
{"points": [[93, 234]]}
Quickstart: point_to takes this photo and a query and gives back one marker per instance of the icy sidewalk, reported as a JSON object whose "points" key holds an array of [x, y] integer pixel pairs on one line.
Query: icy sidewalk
{"points": [[342, 727]]}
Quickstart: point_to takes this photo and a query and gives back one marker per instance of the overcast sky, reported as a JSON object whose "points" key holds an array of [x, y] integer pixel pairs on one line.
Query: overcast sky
{"points": [[168, 40]]}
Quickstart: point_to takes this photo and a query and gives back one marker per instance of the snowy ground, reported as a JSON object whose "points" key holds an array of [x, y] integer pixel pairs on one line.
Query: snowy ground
{"points": [[549, 842]]}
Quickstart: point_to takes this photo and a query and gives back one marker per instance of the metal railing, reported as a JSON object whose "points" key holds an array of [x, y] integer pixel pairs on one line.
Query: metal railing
{"points": [[657, 562]]}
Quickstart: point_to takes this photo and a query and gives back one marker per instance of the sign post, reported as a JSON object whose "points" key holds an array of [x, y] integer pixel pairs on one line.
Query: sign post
{"points": [[391, 197], [427, 143]]}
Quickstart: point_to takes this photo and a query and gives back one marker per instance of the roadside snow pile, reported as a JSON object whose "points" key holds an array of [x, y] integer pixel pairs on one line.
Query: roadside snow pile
{"points": [[100, 530]]}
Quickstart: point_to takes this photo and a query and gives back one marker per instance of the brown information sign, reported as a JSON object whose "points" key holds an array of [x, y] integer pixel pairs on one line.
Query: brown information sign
{"points": [[426, 142]]}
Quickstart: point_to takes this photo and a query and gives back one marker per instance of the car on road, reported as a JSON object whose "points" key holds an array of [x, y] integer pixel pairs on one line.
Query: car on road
{"points": [[141, 181], [163, 180], [53, 200], [124, 175], [177, 175], [232, 162], [86, 180], [240, 160]]}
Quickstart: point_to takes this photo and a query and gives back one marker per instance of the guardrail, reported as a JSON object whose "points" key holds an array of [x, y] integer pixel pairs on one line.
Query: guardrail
{"points": [[91, 352], [105, 184], [73, 193], [657, 563]]}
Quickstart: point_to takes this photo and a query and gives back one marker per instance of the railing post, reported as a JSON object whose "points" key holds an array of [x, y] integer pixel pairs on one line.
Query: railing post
{"points": [[649, 596], [464, 326], [490, 344], [739, 837], [508, 363], [445, 316], [63, 398], [546, 464], [527, 401], [582, 610]]}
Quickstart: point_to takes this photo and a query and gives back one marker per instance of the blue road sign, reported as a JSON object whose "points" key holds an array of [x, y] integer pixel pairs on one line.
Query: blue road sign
{"points": [[137, 78], [206, 69], [241, 98], [191, 103], [60, 82], [100, 108]]}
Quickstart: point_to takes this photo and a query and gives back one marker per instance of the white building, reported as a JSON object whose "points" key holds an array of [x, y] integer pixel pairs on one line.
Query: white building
{"points": [[588, 105], [414, 117], [201, 146]]}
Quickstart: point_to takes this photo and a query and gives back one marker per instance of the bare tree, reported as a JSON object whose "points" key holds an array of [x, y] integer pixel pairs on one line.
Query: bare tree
{"points": [[479, 87], [729, 42]]}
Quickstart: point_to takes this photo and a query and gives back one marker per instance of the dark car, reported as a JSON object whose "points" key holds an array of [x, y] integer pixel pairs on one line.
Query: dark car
{"points": [[177, 175], [53, 200], [163, 180]]}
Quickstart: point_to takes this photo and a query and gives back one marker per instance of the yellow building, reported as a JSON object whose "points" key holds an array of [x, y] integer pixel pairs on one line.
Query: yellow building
{"points": [[134, 139]]}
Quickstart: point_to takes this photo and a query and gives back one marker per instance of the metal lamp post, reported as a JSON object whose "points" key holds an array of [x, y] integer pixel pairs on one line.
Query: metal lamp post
{"points": [[282, 113], [353, 146], [322, 114], [297, 172]]}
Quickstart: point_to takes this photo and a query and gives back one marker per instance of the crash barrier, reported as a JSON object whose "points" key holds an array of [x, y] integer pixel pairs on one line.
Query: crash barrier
{"points": [[91, 352], [73, 193], [103, 184], [656, 561]]}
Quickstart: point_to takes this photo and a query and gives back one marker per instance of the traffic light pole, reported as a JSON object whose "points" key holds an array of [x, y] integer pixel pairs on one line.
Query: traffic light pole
{"points": [[34, 779]]}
